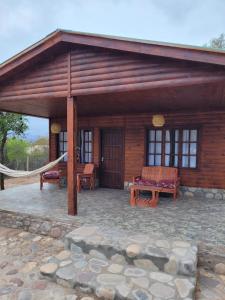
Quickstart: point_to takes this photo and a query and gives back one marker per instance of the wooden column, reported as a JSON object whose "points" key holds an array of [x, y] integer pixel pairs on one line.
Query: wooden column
{"points": [[72, 160]]}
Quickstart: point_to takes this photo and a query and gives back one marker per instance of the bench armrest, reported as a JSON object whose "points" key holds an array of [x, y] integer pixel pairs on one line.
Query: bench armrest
{"points": [[135, 177]]}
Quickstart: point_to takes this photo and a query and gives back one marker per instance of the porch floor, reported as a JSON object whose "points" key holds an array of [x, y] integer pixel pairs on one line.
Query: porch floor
{"points": [[189, 219]]}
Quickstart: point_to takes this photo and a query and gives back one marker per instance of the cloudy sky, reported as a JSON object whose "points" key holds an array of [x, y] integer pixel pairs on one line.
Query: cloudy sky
{"points": [[23, 22]]}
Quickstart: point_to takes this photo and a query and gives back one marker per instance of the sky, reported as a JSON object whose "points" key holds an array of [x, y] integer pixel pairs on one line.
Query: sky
{"points": [[24, 22]]}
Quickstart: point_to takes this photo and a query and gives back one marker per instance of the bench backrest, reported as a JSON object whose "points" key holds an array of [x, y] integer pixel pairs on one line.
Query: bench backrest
{"points": [[169, 173], [89, 168], [151, 173], [159, 173]]}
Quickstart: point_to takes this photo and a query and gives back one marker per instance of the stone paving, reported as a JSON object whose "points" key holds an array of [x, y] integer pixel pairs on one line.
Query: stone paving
{"points": [[22, 253], [133, 267], [140, 250], [188, 219], [210, 286], [119, 280]]}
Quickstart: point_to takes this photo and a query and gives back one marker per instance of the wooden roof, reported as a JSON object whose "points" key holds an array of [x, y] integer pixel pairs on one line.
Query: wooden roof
{"points": [[169, 50], [111, 75]]}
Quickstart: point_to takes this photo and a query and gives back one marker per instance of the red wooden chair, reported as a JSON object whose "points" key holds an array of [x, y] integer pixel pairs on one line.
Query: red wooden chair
{"points": [[86, 178]]}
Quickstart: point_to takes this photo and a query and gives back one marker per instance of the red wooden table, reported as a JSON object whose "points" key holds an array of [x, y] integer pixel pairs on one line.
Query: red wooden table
{"points": [[135, 192]]}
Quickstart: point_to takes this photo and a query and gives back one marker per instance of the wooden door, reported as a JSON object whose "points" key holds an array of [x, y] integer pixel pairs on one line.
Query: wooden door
{"points": [[112, 158]]}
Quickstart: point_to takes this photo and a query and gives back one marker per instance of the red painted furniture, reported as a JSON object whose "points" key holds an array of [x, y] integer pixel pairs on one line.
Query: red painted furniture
{"points": [[135, 196], [86, 178], [155, 179], [51, 176]]}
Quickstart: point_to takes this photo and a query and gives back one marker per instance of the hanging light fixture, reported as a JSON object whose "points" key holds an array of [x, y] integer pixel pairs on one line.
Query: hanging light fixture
{"points": [[158, 120], [55, 128]]}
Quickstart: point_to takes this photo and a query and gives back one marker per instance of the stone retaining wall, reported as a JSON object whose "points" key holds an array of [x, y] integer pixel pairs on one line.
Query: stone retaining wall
{"points": [[37, 224], [211, 258], [194, 192]]}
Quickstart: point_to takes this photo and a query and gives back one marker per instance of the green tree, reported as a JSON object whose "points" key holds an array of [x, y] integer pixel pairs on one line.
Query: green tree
{"points": [[10, 125], [16, 150], [218, 42]]}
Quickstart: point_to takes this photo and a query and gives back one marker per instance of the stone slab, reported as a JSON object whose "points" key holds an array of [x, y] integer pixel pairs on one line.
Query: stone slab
{"points": [[171, 256], [108, 280]]}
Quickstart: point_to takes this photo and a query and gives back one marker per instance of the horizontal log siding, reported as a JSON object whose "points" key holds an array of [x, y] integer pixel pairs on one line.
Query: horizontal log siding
{"points": [[211, 170], [95, 71], [48, 78]]}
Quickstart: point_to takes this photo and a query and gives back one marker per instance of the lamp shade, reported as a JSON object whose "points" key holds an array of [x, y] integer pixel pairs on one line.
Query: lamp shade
{"points": [[158, 120], [55, 128]]}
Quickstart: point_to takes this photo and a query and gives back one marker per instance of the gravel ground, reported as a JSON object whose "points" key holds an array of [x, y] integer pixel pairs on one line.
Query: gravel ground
{"points": [[22, 253], [12, 182]]}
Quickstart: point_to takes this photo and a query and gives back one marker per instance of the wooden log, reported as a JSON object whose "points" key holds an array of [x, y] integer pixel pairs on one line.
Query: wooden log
{"points": [[177, 82], [40, 86], [123, 74], [71, 162], [102, 64], [113, 69], [43, 95], [33, 91]]}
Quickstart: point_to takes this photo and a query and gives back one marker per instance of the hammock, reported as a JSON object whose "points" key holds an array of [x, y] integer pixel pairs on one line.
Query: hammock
{"points": [[16, 173]]}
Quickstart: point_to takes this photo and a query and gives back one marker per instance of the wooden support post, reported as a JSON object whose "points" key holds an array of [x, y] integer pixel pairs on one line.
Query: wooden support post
{"points": [[72, 157]]}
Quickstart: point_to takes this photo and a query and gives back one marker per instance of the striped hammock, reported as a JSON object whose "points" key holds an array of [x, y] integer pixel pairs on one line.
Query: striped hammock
{"points": [[17, 173]]}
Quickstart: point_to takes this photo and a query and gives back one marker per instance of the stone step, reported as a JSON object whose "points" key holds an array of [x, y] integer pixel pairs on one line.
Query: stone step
{"points": [[212, 257], [114, 278], [143, 251]]}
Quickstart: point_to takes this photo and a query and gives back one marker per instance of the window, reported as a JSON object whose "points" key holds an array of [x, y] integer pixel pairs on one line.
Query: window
{"points": [[62, 146], [172, 147], [189, 148], [155, 148], [84, 143]]}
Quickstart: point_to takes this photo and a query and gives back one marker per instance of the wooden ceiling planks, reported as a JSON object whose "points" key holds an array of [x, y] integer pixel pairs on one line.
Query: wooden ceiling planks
{"points": [[177, 99]]}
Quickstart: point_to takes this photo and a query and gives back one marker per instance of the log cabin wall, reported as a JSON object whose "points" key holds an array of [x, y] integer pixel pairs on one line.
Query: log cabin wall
{"points": [[84, 70], [94, 70], [48, 78], [211, 165]]}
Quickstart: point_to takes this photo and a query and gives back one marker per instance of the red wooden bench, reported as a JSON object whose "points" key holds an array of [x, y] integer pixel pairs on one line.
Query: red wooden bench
{"points": [[156, 179]]}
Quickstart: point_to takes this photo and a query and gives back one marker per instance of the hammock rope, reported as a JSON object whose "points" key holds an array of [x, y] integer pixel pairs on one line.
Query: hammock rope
{"points": [[17, 173]]}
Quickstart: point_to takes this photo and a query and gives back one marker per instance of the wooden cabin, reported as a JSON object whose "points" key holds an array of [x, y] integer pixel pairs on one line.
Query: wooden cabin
{"points": [[104, 92]]}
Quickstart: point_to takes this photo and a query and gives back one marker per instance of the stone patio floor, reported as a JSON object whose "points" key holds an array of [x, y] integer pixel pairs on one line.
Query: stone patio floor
{"points": [[189, 219]]}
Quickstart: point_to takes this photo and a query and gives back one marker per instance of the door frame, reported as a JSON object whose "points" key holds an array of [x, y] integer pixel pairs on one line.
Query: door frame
{"points": [[122, 129]]}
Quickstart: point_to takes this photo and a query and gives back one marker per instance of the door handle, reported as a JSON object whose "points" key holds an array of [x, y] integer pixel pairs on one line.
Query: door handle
{"points": [[102, 159]]}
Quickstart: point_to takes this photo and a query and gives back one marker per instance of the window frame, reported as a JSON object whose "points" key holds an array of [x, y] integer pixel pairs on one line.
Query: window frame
{"points": [[59, 152], [180, 128], [78, 144]]}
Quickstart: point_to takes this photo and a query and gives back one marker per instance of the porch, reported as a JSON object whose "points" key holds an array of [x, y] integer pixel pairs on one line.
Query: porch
{"points": [[111, 88], [189, 219]]}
